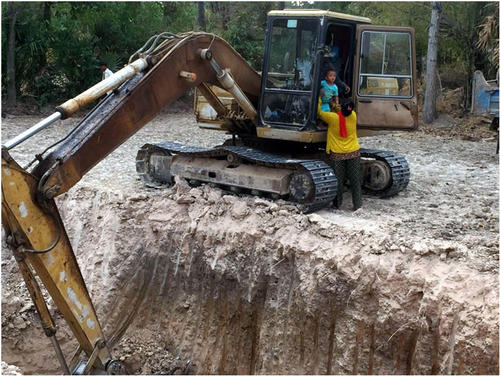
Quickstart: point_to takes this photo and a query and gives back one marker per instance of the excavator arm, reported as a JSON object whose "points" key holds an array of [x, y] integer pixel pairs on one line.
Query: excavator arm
{"points": [[138, 101], [41, 247], [30, 217]]}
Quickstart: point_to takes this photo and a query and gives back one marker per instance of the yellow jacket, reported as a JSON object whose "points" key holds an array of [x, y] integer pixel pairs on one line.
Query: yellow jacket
{"points": [[334, 142]]}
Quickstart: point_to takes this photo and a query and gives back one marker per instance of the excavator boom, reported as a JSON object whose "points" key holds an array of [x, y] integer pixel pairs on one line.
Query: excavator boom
{"points": [[33, 226], [138, 101]]}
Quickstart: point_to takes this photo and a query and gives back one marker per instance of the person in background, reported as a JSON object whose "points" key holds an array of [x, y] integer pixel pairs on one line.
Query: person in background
{"points": [[329, 92], [343, 152], [106, 72]]}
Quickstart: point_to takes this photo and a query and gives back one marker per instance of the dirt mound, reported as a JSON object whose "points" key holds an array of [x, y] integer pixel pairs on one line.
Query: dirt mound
{"points": [[469, 128], [451, 102]]}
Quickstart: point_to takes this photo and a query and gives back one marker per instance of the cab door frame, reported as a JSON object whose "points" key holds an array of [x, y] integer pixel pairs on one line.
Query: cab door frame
{"points": [[381, 111]]}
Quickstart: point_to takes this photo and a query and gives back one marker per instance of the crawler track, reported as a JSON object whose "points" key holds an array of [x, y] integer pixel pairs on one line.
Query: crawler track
{"points": [[399, 170], [312, 185]]}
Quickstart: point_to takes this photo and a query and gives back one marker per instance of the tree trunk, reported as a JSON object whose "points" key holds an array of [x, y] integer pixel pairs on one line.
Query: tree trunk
{"points": [[225, 15], [201, 16], [473, 58], [221, 9], [281, 5], [42, 61], [430, 112], [46, 11], [169, 9], [11, 56]]}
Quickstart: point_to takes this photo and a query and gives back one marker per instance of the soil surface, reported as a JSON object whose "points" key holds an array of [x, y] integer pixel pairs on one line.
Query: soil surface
{"points": [[216, 283]]}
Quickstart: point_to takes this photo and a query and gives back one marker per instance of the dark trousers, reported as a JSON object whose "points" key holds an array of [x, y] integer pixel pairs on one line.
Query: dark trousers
{"points": [[348, 169]]}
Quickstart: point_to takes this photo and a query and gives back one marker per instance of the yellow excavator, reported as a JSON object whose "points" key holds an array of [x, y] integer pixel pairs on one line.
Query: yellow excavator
{"points": [[276, 144]]}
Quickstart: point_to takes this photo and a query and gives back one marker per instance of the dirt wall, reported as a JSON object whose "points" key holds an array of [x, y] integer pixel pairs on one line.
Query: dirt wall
{"points": [[249, 286]]}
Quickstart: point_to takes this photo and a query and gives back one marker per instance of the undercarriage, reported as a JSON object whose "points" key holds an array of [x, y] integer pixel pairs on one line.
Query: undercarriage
{"points": [[308, 182]]}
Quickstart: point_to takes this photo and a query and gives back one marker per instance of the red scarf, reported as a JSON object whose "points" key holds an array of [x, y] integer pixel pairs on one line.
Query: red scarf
{"points": [[343, 129]]}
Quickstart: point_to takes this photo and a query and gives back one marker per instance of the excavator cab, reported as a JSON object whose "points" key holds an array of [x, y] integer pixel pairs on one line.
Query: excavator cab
{"points": [[377, 63]]}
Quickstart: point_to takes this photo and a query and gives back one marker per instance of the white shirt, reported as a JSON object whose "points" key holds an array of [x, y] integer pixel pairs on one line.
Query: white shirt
{"points": [[107, 73]]}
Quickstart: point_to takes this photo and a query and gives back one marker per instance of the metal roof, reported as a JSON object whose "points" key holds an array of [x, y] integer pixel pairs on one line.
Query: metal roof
{"points": [[318, 13]]}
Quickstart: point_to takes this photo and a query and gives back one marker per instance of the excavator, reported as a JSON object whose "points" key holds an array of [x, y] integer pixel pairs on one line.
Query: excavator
{"points": [[275, 148]]}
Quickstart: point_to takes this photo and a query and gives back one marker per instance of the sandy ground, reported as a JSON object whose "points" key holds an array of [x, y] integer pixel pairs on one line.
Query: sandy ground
{"points": [[452, 195], [446, 221]]}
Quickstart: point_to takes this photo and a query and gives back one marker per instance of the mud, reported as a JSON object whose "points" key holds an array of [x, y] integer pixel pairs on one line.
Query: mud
{"points": [[214, 283]]}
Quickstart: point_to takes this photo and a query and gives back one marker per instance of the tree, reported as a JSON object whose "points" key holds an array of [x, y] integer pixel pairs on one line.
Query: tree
{"points": [[57, 44], [221, 10], [458, 37], [46, 28], [488, 38], [245, 30], [430, 112], [201, 16], [11, 56], [281, 5], [169, 9]]}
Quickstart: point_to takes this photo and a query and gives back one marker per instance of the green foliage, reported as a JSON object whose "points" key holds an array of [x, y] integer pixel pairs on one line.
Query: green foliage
{"points": [[59, 44], [57, 56], [179, 16], [245, 31]]}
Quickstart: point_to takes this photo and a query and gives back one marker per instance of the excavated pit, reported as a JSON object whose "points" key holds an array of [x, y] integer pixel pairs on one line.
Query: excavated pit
{"points": [[193, 280]]}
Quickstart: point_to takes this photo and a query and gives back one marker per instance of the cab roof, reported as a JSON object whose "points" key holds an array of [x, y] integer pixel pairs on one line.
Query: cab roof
{"points": [[318, 13]]}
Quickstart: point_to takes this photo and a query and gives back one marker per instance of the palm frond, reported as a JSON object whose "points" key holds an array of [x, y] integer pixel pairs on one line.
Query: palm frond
{"points": [[487, 31]]}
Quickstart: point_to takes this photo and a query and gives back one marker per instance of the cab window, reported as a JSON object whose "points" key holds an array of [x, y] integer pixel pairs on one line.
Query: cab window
{"points": [[288, 74], [385, 64], [292, 54]]}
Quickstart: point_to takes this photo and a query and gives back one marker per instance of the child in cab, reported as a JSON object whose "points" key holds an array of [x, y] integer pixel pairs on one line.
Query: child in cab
{"points": [[329, 92]]}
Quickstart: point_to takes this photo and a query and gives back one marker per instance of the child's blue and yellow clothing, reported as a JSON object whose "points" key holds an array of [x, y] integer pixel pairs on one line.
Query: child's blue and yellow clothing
{"points": [[329, 91]]}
